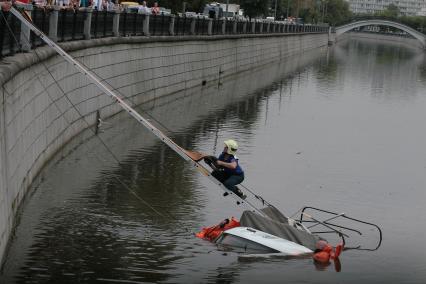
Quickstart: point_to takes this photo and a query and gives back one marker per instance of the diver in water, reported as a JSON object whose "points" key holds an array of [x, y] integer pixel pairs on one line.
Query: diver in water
{"points": [[226, 168]]}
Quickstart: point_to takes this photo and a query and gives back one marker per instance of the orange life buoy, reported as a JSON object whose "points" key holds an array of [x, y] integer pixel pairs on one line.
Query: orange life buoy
{"points": [[325, 252], [322, 256], [213, 232]]}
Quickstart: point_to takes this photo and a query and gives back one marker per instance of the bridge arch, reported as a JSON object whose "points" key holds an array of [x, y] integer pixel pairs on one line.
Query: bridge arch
{"points": [[345, 28]]}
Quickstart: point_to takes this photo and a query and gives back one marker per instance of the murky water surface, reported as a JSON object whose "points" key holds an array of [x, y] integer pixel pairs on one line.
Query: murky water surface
{"points": [[341, 129]]}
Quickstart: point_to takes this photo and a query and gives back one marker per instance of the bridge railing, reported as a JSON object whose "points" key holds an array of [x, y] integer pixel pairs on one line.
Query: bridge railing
{"points": [[63, 25]]}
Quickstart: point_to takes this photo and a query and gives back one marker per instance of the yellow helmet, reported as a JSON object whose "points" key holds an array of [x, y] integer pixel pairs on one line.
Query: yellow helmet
{"points": [[232, 146]]}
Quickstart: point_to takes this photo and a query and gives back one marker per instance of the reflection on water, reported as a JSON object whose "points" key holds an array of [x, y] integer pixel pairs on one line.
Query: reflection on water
{"points": [[336, 129]]}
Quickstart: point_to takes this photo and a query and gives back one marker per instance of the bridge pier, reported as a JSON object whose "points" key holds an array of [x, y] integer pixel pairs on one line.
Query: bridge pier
{"points": [[331, 37]]}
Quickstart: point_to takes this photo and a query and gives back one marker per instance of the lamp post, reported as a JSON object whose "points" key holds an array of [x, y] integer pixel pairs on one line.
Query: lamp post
{"points": [[227, 4], [288, 4], [275, 11]]}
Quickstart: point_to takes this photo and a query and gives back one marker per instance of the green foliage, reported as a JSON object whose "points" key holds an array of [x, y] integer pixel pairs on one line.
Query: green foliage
{"points": [[282, 8], [391, 11], [416, 22], [177, 5], [310, 15], [337, 12], [255, 8]]}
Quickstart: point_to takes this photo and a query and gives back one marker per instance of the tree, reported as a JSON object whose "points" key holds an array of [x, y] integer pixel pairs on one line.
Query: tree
{"points": [[391, 11], [255, 8], [337, 12], [177, 5]]}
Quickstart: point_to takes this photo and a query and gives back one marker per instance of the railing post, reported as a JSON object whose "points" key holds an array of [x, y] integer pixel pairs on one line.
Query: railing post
{"points": [[224, 26], [25, 39], [234, 26], [87, 22], [268, 26], [53, 23], [146, 25], [253, 26], [261, 27], [192, 27], [209, 26], [116, 23], [245, 26], [172, 25]]}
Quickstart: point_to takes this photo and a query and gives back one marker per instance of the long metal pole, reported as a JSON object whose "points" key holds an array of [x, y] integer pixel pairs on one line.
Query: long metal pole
{"points": [[275, 11], [288, 5], [157, 132]]}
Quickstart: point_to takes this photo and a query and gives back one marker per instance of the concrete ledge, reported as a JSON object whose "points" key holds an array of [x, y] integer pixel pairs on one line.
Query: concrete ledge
{"points": [[10, 66]]}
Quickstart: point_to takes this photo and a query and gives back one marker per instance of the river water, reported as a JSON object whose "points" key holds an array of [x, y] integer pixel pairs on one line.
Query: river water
{"points": [[339, 128]]}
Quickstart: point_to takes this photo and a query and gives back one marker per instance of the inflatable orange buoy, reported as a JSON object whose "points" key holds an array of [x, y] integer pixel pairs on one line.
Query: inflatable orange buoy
{"points": [[338, 251], [325, 252], [213, 232], [322, 256]]}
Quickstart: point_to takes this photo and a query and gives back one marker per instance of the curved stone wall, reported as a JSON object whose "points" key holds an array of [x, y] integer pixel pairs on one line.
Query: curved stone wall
{"points": [[37, 119]]}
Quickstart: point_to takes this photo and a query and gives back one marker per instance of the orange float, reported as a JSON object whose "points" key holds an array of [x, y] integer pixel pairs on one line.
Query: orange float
{"points": [[213, 232], [325, 252]]}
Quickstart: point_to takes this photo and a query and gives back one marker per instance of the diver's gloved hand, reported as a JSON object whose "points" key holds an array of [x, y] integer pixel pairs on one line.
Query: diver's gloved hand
{"points": [[207, 160], [210, 159]]}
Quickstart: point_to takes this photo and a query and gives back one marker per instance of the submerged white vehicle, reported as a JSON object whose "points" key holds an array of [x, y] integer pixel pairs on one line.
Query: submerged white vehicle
{"points": [[249, 240], [276, 234]]}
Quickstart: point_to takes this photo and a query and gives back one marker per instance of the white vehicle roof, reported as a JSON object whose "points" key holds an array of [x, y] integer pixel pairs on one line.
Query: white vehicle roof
{"points": [[279, 244]]}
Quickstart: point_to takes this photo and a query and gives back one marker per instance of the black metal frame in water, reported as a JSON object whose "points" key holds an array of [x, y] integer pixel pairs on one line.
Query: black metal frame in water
{"points": [[342, 231]]}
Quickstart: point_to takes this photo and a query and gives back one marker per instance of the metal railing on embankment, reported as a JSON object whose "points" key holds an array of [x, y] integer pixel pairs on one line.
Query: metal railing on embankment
{"points": [[63, 25]]}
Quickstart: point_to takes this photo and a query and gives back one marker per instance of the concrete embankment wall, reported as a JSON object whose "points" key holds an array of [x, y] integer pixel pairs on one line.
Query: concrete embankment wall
{"points": [[36, 118]]}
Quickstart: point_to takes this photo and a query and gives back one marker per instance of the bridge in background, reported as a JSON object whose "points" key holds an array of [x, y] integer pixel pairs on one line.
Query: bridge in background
{"points": [[380, 22]]}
